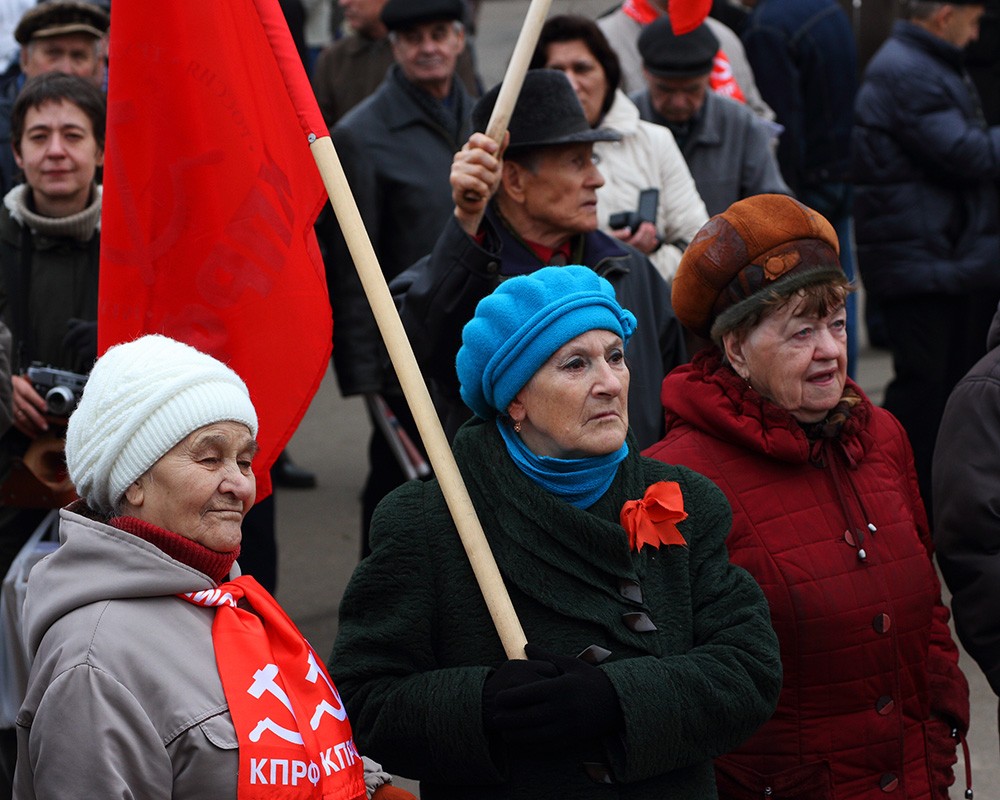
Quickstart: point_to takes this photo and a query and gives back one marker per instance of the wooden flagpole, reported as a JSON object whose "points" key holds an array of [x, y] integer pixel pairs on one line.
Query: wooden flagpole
{"points": [[405, 363]]}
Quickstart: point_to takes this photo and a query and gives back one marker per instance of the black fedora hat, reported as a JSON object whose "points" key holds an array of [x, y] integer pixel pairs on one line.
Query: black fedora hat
{"points": [[547, 112]]}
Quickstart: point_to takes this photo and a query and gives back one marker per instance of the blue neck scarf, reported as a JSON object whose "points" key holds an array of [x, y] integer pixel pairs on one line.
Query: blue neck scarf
{"points": [[579, 481]]}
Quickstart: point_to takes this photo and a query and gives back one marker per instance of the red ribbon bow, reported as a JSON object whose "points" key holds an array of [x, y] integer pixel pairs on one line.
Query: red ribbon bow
{"points": [[653, 520]]}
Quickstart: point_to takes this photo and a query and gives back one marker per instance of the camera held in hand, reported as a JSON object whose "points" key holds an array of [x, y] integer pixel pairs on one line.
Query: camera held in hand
{"points": [[649, 199], [60, 388]]}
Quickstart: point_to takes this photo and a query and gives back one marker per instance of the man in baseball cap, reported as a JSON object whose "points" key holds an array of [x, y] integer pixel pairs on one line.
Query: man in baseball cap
{"points": [[63, 36]]}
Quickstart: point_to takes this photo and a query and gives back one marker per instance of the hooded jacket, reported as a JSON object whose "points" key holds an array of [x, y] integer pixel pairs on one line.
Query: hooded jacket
{"points": [[871, 686], [123, 688], [967, 507]]}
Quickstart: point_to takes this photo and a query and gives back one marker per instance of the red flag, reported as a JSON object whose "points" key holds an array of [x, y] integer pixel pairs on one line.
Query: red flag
{"points": [[210, 195]]}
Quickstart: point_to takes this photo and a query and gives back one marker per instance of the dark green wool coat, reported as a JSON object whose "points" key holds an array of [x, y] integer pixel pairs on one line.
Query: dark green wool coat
{"points": [[416, 642]]}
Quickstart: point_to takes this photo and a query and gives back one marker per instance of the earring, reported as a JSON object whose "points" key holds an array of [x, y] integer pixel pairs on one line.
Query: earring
{"points": [[517, 427]]}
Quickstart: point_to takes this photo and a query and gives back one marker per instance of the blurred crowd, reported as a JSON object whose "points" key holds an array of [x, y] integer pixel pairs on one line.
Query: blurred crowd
{"points": [[709, 195]]}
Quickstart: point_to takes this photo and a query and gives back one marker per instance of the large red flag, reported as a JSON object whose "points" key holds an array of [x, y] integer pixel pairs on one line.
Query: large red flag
{"points": [[210, 194]]}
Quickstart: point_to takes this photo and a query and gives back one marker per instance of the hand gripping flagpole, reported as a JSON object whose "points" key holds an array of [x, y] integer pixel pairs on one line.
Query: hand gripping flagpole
{"points": [[384, 309], [412, 382]]}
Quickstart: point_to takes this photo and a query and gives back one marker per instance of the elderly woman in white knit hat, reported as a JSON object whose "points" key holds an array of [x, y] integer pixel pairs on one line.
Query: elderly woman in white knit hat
{"points": [[158, 671]]}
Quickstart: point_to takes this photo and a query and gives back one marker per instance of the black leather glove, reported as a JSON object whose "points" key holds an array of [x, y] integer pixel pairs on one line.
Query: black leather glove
{"points": [[81, 337], [509, 675], [578, 702]]}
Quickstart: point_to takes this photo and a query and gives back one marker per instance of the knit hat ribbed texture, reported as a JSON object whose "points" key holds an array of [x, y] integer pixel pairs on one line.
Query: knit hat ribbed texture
{"points": [[523, 322], [141, 399]]}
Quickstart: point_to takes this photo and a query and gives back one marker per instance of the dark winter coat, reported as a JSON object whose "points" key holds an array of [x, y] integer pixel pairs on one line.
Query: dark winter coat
{"points": [[871, 685], [416, 644], [397, 159], [926, 211], [803, 57], [438, 295], [967, 507], [58, 282]]}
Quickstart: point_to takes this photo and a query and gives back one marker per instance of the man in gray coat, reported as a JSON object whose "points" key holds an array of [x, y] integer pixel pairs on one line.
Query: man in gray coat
{"points": [[396, 147], [727, 148]]}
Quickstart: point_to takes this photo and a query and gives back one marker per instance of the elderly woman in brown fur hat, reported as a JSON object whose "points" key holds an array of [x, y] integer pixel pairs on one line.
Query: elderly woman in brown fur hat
{"points": [[826, 515]]}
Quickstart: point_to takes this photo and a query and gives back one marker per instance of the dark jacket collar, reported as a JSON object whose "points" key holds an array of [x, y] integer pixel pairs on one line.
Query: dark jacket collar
{"points": [[400, 110], [600, 252], [916, 36]]}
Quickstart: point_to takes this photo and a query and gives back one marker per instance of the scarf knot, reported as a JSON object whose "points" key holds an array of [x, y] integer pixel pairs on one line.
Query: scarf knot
{"points": [[581, 482]]}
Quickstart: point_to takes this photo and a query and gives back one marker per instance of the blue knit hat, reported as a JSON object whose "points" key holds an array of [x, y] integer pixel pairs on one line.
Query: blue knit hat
{"points": [[523, 322]]}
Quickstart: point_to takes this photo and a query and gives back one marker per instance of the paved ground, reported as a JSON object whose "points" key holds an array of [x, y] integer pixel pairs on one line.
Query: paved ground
{"points": [[318, 529]]}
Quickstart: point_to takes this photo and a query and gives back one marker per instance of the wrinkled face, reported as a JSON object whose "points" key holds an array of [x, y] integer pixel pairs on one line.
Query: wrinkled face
{"points": [[560, 195], [73, 53], [799, 362], [59, 154], [576, 405], [677, 99], [363, 15], [585, 73], [961, 25], [427, 54], [201, 488]]}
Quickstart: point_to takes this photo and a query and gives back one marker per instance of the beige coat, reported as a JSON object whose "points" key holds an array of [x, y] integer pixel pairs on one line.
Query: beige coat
{"points": [[648, 157]]}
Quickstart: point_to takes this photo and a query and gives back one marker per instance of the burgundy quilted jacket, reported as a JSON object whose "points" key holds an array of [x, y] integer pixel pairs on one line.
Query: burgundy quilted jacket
{"points": [[835, 533]]}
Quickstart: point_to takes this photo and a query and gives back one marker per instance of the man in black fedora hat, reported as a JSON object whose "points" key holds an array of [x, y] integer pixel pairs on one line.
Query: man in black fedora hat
{"points": [[396, 147], [726, 146], [532, 206]]}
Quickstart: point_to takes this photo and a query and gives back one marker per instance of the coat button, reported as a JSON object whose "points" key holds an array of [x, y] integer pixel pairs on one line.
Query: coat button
{"points": [[493, 267], [888, 782], [884, 705], [881, 623], [594, 654], [598, 772], [638, 622], [630, 590]]}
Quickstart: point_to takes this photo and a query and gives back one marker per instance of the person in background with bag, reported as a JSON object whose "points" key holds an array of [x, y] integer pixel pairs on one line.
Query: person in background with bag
{"points": [[158, 671], [648, 651], [826, 516]]}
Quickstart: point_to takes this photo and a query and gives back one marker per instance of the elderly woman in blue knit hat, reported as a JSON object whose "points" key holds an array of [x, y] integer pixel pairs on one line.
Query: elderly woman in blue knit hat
{"points": [[648, 651], [158, 670]]}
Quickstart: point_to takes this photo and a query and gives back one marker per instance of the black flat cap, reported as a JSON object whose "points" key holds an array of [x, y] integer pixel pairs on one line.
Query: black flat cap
{"points": [[668, 55], [61, 17], [401, 14], [547, 112]]}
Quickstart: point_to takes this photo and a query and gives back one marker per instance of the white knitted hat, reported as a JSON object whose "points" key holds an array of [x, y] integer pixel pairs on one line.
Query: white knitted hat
{"points": [[141, 399]]}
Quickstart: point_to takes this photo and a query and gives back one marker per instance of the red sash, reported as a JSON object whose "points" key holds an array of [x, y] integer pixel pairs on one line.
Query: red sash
{"points": [[294, 736]]}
